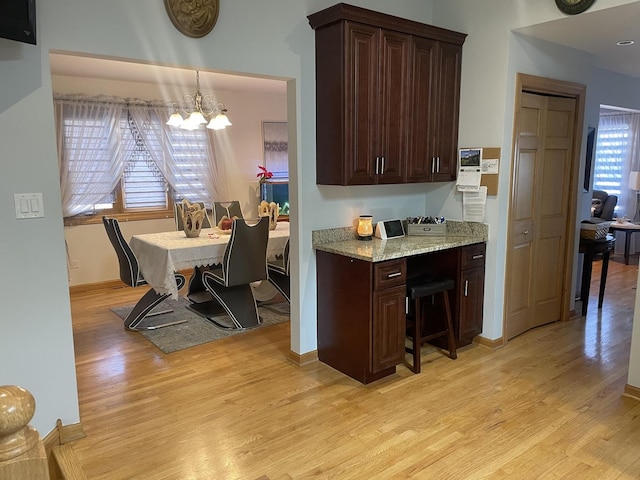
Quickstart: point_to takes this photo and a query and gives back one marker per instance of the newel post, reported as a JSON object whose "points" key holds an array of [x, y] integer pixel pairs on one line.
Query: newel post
{"points": [[22, 453]]}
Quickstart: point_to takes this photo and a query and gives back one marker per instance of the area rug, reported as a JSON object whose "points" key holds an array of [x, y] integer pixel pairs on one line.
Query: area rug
{"points": [[197, 330]]}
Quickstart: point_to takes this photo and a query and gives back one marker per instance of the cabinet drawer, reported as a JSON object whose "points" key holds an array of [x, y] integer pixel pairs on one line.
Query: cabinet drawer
{"points": [[389, 274], [473, 256]]}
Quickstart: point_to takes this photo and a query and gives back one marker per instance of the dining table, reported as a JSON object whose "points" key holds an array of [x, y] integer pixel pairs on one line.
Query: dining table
{"points": [[161, 254]]}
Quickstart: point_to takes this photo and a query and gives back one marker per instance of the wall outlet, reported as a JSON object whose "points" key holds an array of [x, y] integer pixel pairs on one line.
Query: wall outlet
{"points": [[74, 264]]}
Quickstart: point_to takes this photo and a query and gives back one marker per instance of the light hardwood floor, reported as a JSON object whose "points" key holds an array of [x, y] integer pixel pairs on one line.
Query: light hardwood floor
{"points": [[546, 406]]}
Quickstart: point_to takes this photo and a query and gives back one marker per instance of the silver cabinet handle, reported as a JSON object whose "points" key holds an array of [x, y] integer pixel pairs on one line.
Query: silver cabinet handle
{"points": [[466, 288], [476, 257], [438, 167], [525, 232], [397, 274], [377, 163], [433, 165], [406, 305], [382, 169]]}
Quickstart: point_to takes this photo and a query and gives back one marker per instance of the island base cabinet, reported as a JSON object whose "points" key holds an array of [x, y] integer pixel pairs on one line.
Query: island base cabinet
{"points": [[470, 293], [470, 301], [361, 315]]}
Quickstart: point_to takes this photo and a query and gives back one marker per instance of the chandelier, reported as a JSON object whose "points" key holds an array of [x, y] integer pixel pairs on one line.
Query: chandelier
{"points": [[197, 108]]}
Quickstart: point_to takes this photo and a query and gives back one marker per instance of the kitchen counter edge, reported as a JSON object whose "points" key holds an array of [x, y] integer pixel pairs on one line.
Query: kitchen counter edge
{"points": [[377, 250]]}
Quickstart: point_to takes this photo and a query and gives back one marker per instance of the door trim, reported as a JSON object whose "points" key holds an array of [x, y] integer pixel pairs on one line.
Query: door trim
{"points": [[549, 86]]}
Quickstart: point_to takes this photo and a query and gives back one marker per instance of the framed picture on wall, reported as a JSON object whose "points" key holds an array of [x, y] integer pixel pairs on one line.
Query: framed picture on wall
{"points": [[276, 160], [591, 143], [275, 139]]}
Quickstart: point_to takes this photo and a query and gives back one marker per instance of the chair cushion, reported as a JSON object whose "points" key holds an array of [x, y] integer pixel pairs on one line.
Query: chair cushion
{"points": [[608, 204], [215, 274], [277, 265], [428, 287]]}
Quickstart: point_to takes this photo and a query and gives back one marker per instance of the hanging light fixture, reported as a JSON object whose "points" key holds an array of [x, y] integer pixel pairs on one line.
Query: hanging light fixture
{"points": [[197, 108]]}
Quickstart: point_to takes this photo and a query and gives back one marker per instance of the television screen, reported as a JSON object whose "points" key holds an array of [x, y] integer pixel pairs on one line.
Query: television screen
{"points": [[18, 20]]}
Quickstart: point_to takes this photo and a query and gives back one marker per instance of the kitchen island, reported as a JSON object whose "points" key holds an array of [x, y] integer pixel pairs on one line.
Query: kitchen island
{"points": [[362, 292]]}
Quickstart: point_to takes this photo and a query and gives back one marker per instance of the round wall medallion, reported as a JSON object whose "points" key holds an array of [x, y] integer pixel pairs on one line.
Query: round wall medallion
{"points": [[194, 18], [573, 7]]}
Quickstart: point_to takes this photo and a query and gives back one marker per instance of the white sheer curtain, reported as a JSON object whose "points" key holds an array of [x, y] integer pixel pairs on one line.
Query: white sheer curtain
{"points": [[93, 150], [186, 158], [617, 155]]}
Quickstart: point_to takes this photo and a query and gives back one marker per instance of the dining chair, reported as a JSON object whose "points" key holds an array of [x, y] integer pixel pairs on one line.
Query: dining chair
{"points": [[206, 223], [244, 262], [131, 275], [278, 270], [230, 209]]}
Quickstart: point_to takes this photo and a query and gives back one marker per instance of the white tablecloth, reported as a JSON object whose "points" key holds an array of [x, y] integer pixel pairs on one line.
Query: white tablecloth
{"points": [[161, 254]]}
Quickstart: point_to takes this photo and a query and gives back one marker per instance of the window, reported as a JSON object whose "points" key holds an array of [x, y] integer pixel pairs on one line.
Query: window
{"points": [[617, 156], [118, 159], [611, 152]]}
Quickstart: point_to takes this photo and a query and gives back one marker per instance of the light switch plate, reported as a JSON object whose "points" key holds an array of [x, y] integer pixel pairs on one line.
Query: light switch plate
{"points": [[28, 205]]}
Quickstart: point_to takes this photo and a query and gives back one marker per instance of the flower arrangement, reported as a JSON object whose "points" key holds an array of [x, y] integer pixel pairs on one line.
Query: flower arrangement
{"points": [[264, 174]]}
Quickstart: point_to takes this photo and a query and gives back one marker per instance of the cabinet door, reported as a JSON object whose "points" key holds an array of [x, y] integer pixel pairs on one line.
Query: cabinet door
{"points": [[361, 104], [446, 139], [471, 297], [393, 103], [388, 329], [423, 112]]}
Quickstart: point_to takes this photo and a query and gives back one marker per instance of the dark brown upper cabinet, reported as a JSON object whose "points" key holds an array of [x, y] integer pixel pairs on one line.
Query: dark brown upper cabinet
{"points": [[387, 98]]}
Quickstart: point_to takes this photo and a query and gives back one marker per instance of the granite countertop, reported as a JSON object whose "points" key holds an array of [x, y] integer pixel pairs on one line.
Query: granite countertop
{"points": [[343, 241]]}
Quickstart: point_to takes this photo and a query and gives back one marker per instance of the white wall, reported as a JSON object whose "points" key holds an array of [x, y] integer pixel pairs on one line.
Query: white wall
{"points": [[238, 147], [271, 38]]}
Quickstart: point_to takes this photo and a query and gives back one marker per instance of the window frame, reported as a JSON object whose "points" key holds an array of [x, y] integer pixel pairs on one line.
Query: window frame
{"points": [[121, 214]]}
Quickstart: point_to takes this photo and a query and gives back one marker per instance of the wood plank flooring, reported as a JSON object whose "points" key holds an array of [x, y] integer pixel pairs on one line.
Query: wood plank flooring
{"points": [[546, 406]]}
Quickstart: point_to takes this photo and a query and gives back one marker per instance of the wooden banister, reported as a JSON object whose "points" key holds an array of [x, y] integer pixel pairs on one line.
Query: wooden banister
{"points": [[22, 453]]}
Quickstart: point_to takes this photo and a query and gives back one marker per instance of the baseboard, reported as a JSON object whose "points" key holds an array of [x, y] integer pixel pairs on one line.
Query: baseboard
{"points": [[492, 344], [304, 359], [110, 284], [631, 392], [69, 433], [89, 287]]}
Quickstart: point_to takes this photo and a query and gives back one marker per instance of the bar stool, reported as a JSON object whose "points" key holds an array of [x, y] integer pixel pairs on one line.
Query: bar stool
{"points": [[416, 291]]}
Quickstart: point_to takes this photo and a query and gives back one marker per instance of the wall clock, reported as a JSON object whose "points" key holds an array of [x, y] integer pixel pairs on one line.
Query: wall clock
{"points": [[573, 7], [193, 18]]}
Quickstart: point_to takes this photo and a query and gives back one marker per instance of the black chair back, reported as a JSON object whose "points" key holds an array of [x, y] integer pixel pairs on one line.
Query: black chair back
{"points": [[245, 258], [230, 209], [281, 263], [286, 257], [129, 270], [206, 222]]}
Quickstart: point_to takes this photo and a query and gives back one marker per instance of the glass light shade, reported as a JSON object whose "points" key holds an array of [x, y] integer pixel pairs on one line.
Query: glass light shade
{"points": [[197, 118], [365, 227], [175, 120], [224, 120], [189, 125], [215, 124]]}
